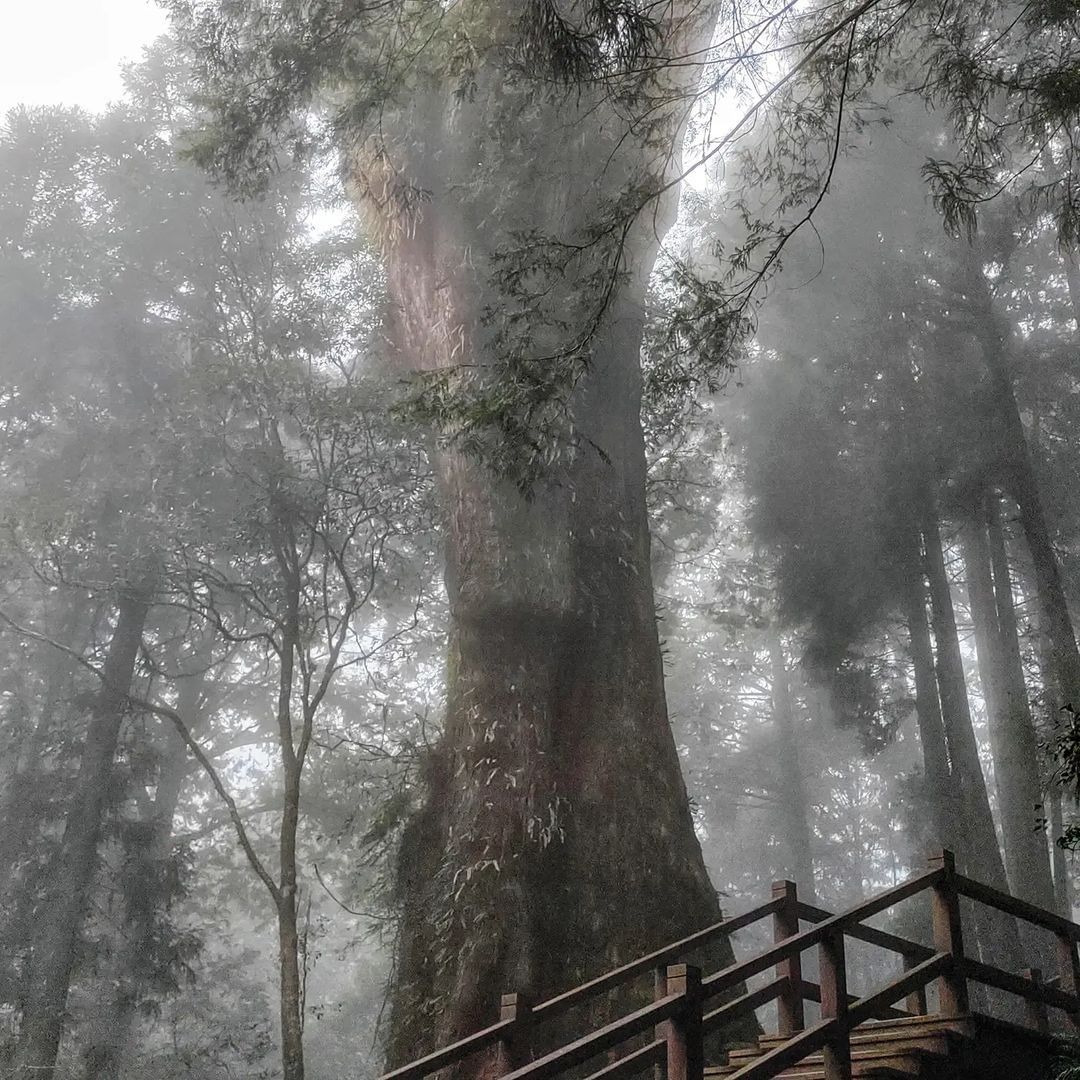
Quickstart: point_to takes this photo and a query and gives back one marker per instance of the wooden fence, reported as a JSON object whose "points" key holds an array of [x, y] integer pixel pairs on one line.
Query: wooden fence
{"points": [[680, 1016]]}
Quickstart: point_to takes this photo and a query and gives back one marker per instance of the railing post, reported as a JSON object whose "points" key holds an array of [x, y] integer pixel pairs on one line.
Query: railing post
{"points": [[513, 1050], [1069, 970], [949, 937], [685, 1044], [659, 991], [1037, 1015], [834, 1005], [790, 1015], [916, 1000]]}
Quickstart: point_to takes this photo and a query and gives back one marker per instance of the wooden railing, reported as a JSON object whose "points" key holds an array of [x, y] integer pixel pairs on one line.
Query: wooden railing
{"points": [[679, 1017]]}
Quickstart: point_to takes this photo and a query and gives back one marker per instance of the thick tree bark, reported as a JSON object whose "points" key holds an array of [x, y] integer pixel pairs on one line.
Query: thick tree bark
{"points": [[997, 933], [556, 838], [791, 795], [55, 954], [1012, 733]]}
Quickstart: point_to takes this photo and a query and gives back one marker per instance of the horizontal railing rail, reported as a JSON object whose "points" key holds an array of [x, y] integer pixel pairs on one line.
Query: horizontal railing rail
{"points": [[1021, 909], [679, 1020]]}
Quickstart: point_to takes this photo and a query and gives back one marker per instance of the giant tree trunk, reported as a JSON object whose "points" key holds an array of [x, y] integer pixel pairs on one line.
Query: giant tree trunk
{"points": [[997, 933], [1012, 733], [791, 796], [556, 838], [55, 952]]}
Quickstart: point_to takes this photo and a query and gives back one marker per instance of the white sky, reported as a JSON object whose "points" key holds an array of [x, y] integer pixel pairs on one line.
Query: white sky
{"points": [[68, 52]]}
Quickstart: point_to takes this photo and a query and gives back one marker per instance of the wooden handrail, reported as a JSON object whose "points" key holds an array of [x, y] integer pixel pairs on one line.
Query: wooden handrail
{"points": [[659, 958], [1019, 985], [633, 1063], [1021, 909], [740, 972], [597, 1042], [735, 1010], [787, 1054], [679, 1020], [870, 934], [811, 991], [452, 1054], [869, 1007]]}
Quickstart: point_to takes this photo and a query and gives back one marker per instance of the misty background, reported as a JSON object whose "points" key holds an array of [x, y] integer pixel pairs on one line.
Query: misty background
{"points": [[223, 540]]}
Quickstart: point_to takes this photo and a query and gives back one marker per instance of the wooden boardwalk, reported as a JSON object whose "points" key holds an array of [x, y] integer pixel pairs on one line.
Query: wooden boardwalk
{"points": [[867, 1036]]}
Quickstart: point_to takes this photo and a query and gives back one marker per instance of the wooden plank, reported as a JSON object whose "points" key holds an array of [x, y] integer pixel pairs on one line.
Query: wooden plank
{"points": [[597, 1042], [866, 1008], [870, 934], [975, 890], [455, 1052], [660, 958]]}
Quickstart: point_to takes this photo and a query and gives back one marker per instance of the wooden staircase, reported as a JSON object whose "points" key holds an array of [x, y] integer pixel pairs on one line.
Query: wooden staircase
{"points": [[920, 1048], [860, 1037]]}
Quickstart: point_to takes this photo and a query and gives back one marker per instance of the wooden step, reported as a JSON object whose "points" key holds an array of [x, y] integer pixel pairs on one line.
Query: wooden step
{"points": [[907, 1027], [902, 1052], [863, 1064], [931, 1042]]}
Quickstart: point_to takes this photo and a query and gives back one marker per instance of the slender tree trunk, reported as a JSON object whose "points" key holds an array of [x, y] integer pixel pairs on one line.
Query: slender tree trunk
{"points": [[794, 806], [292, 1026], [54, 956], [25, 776], [1062, 889], [1012, 733], [941, 790], [292, 767], [998, 938], [995, 335], [109, 1041], [1055, 794], [1072, 279]]}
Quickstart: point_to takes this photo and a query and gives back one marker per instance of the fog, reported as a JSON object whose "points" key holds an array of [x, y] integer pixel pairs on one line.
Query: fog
{"points": [[488, 489]]}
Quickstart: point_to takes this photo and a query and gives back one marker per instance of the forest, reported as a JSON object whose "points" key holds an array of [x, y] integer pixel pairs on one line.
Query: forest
{"points": [[487, 486]]}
